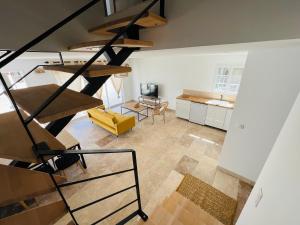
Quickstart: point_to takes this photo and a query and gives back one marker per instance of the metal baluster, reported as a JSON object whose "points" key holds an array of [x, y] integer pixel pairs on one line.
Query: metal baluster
{"points": [[136, 177]]}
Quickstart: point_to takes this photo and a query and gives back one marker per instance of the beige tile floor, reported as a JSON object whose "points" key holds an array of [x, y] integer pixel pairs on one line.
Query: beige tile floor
{"points": [[165, 152]]}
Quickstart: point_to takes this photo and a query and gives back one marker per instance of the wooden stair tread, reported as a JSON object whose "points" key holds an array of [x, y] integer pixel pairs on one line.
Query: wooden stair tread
{"points": [[68, 103], [15, 143], [149, 20], [186, 209], [20, 184], [96, 45], [42, 215], [92, 71]]}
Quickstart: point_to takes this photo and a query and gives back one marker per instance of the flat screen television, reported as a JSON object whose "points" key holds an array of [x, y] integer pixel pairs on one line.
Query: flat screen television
{"points": [[149, 89]]}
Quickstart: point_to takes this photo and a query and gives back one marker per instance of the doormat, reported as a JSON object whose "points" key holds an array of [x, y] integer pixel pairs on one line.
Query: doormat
{"points": [[213, 201]]}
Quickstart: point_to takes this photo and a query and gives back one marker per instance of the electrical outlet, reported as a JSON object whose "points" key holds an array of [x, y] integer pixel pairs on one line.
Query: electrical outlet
{"points": [[259, 196]]}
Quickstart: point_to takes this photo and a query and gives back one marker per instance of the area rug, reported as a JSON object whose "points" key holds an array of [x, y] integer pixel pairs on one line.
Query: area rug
{"points": [[214, 202]]}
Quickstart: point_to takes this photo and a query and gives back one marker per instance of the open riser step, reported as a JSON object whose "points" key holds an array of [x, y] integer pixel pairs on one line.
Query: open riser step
{"points": [[20, 184], [97, 45], [92, 71], [68, 103], [148, 20], [43, 215], [15, 142]]}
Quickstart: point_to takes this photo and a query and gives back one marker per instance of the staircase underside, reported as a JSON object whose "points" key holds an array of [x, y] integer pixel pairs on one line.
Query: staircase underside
{"points": [[149, 20], [15, 143], [92, 71], [97, 45], [42, 215], [20, 184], [68, 103]]}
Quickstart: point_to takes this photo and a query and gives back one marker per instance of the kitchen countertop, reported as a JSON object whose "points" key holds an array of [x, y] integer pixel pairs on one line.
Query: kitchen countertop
{"points": [[201, 100]]}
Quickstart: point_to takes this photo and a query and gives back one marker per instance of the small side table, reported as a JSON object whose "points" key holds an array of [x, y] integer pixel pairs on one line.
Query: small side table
{"points": [[131, 107]]}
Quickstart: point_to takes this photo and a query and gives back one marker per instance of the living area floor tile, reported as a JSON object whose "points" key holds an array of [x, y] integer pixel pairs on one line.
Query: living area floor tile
{"points": [[162, 148]]}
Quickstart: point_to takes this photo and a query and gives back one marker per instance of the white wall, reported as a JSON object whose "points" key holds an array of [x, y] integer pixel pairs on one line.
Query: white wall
{"points": [[268, 90], [279, 180], [24, 66], [27, 62], [175, 73]]}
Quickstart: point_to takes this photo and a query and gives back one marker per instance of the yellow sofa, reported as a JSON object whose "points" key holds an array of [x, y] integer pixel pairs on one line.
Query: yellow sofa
{"points": [[111, 121]]}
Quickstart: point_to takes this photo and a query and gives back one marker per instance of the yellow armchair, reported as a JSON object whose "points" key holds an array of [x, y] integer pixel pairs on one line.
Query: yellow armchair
{"points": [[111, 121]]}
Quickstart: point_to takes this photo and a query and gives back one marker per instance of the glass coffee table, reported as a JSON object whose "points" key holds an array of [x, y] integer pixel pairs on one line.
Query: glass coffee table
{"points": [[137, 108]]}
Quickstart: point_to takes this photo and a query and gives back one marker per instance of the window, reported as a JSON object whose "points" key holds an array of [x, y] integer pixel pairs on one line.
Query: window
{"points": [[5, 104], [228, 79], [11, 77]]}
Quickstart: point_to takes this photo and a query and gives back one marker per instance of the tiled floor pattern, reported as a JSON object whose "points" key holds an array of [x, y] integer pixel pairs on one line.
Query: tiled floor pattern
{"points": [[165, 153]]}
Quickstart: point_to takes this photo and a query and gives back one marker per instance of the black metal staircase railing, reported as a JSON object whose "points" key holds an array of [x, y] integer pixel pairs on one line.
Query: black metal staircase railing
{"points": [[41, 153], [41, 149]]}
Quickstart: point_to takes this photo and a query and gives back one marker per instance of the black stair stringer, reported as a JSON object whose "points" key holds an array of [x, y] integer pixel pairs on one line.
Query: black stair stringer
{"points": [[90, 89]]}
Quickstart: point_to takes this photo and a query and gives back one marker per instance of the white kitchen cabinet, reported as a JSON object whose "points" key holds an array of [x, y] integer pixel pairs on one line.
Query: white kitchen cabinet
{"points": [[227, 119], [183, 108], [198, 113], [215, 116]]}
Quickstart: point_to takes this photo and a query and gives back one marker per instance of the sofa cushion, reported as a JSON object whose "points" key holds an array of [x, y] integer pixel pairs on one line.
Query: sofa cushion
{"points": [[102, 117]]}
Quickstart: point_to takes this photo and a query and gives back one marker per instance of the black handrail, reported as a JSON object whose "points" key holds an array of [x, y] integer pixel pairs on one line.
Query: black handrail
{"points": [[87, 64], [84, 152], [33, 69], [7, 52], [47, 33], [93, 178]]}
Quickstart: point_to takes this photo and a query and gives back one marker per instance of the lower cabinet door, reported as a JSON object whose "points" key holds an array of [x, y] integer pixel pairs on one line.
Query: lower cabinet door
{"points": [[215, 116], [183, 109], [198, 113]]}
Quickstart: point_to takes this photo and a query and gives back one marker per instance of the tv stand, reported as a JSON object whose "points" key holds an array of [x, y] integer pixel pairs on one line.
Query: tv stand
{"points": [[149, 101]]}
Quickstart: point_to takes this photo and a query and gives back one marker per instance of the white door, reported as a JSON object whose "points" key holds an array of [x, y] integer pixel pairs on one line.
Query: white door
{"points": [[198, 113], [111, 95], [183, 109], [215, 116]]}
